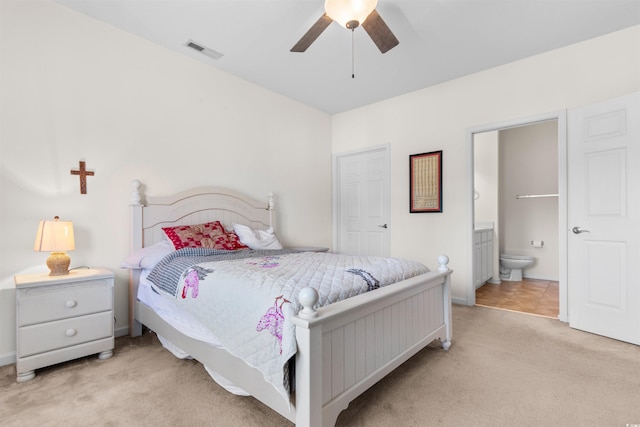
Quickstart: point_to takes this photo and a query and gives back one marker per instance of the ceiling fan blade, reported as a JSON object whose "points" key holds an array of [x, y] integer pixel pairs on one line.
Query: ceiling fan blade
{"points": [[379, 32], [313, 33]]}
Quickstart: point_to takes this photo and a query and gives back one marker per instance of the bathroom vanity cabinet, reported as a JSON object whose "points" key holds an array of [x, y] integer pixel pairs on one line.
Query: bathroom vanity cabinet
{"points": [[483, 255]]}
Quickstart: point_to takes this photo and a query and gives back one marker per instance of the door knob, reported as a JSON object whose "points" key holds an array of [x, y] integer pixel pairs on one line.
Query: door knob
{"points": [[383, 226], [578, 230]]}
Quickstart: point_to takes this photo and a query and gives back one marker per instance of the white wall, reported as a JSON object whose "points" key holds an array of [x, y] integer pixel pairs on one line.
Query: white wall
{"points": [[529, 165], [75, 89], [439, 117]]}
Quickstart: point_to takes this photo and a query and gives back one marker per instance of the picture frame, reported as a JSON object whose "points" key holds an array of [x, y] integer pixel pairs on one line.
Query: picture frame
{"points": [[425, 182]]}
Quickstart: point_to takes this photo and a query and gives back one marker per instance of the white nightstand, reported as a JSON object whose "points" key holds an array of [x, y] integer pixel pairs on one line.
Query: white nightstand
{"points": [[59, 318]]}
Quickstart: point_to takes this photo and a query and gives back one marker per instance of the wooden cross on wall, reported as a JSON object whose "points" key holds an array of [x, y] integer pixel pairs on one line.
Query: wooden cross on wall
{"points": [[83, 173]]}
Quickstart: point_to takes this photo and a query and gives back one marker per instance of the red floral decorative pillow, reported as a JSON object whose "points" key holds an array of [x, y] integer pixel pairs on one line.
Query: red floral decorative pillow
{"points": [[192, 236], [229, 241]]}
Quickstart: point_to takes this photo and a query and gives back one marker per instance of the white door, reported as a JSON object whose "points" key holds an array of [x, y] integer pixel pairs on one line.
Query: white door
{"points": [[362, 203], [604, 218]]}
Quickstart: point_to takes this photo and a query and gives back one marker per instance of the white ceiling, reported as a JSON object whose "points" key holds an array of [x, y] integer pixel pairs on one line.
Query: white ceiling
{"points": [[439, 39]]}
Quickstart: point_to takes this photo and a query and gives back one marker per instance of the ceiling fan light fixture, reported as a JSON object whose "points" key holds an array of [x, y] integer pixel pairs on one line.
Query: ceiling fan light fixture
{"points": [[346, 11]]}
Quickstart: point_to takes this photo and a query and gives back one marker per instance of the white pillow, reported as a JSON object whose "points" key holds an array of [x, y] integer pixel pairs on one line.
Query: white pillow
{"points": [[257, 239], [148, 257]]}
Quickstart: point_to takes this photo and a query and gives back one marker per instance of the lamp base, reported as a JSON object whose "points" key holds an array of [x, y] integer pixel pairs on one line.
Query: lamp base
{"points": [[58, 263]]}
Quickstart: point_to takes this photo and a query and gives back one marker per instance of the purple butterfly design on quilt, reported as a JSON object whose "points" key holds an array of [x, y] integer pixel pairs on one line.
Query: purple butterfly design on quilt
{"points": [[192, 281], [273, 320]]}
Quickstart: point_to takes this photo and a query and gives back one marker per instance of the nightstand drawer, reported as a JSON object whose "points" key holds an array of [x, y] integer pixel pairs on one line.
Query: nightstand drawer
{"points": [[45, 303], [64, 333]]}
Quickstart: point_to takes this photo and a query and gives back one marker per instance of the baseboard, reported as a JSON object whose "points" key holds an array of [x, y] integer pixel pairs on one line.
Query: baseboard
{"points": [[538, 277], [120, 332], [458, 301], [7, 359]]}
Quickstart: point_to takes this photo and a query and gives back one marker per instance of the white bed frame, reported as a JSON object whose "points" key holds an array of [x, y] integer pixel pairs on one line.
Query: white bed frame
{"points": [[343, 348]]}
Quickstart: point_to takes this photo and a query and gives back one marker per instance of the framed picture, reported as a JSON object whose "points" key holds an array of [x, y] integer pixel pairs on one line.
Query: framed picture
{"points": [[425, 180]]}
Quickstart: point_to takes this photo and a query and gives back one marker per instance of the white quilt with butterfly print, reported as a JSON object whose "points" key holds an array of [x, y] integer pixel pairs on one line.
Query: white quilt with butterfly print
{"points": [[248, 303]]}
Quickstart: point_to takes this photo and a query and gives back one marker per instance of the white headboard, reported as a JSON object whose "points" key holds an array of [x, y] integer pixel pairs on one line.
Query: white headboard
{"points": [[194, 206]]}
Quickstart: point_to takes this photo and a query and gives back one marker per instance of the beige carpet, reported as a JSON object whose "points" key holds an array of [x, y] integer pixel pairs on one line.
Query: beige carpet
{"points": [[504, 369]]}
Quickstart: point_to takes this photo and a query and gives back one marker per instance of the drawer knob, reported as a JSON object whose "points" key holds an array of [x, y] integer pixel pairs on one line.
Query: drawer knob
{"points": [[71, 303], [70, 332]]}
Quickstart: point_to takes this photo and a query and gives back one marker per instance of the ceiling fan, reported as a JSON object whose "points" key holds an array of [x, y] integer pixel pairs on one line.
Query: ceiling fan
{"points": [[351, 14]]}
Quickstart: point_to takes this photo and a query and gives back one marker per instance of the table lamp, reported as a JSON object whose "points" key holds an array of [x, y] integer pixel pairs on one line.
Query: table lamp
{"points": [[56, 237]]}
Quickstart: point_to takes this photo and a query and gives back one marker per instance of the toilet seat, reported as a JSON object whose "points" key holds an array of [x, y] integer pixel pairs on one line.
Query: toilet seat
{"points": [[516, 257]]}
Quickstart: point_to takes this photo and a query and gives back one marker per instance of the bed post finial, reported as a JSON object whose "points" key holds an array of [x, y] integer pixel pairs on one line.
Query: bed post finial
{"points": [[271, 204], [135, 193], [443, 260], [308, 298], [270, 208]]}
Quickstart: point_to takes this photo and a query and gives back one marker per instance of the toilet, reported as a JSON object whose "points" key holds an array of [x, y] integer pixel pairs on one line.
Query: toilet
{"points": [[511, 266]]}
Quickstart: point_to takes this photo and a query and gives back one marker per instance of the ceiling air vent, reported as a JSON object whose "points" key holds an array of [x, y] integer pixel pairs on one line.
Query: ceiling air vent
{"points": [[203, 50]]}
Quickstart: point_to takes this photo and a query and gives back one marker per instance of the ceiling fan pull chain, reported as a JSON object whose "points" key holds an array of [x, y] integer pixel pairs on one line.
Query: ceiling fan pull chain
{"points": [[353, 49]]}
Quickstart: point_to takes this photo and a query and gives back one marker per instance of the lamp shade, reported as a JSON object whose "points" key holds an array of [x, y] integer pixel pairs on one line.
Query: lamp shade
{"points": [[343, 11], [54, 236]]}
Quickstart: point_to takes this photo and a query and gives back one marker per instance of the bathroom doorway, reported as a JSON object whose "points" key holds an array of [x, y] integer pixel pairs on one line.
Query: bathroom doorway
{"points": [[518, 191]]}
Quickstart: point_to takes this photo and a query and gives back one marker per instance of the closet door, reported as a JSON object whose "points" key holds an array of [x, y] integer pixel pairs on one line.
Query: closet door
{"points": [[362, 203]]}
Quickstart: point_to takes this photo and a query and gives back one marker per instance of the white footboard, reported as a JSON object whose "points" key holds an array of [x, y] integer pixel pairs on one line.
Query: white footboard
{"points": [[346, 347]]}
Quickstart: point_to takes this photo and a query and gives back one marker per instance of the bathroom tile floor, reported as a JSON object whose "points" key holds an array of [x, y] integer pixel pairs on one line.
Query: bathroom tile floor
{"points": [[532, 296]]}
